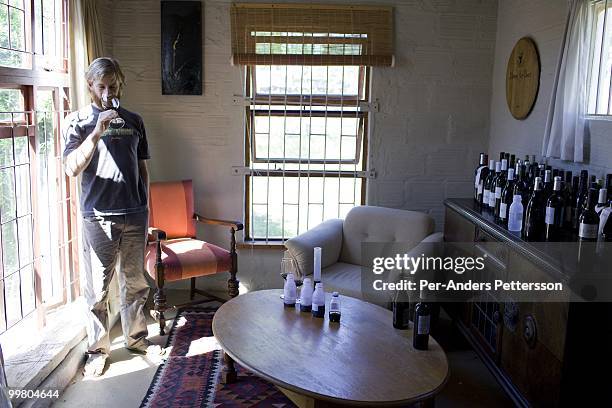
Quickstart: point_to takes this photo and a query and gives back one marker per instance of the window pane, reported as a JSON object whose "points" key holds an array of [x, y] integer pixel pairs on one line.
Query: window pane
{"points": [[7, 194], [27, 289], [11, 100], [17, 30], [12, 295], [22, 174], [6, 152], [9, 247], [22, 150], [26, 253]]}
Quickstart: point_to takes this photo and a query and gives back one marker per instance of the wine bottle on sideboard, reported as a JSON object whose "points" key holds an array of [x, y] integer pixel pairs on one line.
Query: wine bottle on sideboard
{"points": [[581, 198], [486, 187], [605, 224], [521, 186], [573, 199], [554, 217], [422, 321], [602, 201], [548, 184], [533, 229], [589, 220], [500, 183], [609, 187], [507, 197], [479, 175], [492, 188], [567, 197]]}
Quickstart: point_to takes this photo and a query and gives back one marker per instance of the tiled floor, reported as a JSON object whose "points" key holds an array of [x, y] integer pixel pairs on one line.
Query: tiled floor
{"points": [[127, 378]]}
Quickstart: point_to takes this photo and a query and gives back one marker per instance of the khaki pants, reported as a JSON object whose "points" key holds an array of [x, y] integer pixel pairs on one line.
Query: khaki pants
{"points": [[115, 243]]}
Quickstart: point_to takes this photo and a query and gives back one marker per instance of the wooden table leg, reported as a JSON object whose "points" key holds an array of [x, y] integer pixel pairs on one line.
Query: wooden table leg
{"points": [[228, 375]]}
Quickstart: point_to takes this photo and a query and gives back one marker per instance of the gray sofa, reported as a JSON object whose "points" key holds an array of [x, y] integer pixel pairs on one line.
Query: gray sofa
{"points": [[340, 242]]}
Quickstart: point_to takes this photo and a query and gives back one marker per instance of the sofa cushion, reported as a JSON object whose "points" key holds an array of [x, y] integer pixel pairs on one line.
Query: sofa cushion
{"points": [[380, 224], [327, 235]]}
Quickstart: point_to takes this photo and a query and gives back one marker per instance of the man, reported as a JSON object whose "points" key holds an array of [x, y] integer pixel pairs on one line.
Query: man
{"points": [[111, 157]]}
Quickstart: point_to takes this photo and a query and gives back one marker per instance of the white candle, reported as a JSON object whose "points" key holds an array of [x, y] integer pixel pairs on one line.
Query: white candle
{"points": [[317, 264]]}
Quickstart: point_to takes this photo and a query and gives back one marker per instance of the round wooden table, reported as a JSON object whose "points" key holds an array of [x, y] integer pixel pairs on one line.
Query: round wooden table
{"points": [[362, 360]]}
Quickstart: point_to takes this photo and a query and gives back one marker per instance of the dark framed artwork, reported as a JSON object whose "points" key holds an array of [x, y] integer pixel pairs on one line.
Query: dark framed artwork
{"points": [[181, 47]]}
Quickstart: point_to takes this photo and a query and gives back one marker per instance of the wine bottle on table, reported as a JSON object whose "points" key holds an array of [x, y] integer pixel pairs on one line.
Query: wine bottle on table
{"points": [[422, 321], [507, 197], [589, 220], [486, 188], [479, 176], [500, 183], [534, 214], [554, 217], [401, 310]]}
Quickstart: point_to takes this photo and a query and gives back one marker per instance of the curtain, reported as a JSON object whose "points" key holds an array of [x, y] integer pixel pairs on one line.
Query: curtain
{"points": [[93, 33], [566, 125], [79, 96], [86, 44]]}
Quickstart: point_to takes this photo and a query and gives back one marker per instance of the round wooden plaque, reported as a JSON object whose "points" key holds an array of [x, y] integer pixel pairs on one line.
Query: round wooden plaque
{"points": [[522, 78]]}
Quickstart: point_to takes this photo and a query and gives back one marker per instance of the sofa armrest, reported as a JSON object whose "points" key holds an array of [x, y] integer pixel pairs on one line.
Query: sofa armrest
{"points": [[430, 246], [327, 235]]}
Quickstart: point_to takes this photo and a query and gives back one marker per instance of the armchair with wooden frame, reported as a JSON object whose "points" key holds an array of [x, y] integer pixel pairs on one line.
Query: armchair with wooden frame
{"points": [[174, 253]]}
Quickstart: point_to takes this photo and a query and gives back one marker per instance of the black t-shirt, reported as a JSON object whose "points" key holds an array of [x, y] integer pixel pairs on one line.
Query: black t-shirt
{"points": [[111, 183]]}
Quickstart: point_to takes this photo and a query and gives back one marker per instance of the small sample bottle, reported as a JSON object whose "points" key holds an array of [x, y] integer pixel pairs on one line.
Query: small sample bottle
{"points": [[289, 291], [318, 301], [334, 308], [306, 296], [515, 217]]}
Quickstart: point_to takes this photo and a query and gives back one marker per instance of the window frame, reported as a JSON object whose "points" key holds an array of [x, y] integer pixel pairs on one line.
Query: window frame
{"points": [[297, 100], [30, 81]]}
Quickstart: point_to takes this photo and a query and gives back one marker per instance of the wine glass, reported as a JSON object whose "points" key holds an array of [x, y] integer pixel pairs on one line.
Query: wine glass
{"points": [[118, 122], [288, 265]]}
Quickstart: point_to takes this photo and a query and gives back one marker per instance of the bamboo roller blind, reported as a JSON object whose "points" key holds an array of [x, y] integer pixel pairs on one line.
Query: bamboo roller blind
{"points": [[311, 34]]}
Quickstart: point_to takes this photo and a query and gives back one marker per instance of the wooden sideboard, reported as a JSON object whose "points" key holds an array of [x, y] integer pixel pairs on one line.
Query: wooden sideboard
{"points": [[542, 353]]}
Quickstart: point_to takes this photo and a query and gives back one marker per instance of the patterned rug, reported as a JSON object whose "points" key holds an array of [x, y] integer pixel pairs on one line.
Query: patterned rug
{"points": [[190, 377]]}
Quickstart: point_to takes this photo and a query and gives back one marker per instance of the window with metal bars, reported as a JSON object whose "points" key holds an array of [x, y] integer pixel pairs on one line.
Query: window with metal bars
{"points": [[306, 139], [600, 75], [39, 249], [41, 45]]}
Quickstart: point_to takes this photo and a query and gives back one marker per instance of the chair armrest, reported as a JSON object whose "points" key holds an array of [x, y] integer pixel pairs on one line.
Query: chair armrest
{"points": [[157, 234], [237, 225], [327, 235]]}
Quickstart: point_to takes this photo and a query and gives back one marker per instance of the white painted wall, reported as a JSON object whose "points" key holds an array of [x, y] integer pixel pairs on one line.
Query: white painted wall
{"points": [[424, 142], [544, 22]]}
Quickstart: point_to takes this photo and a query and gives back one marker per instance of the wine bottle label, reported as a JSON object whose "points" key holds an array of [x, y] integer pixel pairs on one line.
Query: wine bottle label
{"points": [[423, 325], [498, 192], [550, 215], [492, 199], [503, 210], [485, 197], [604, 219], [480, 187], [588, 231], [477, 181]]}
